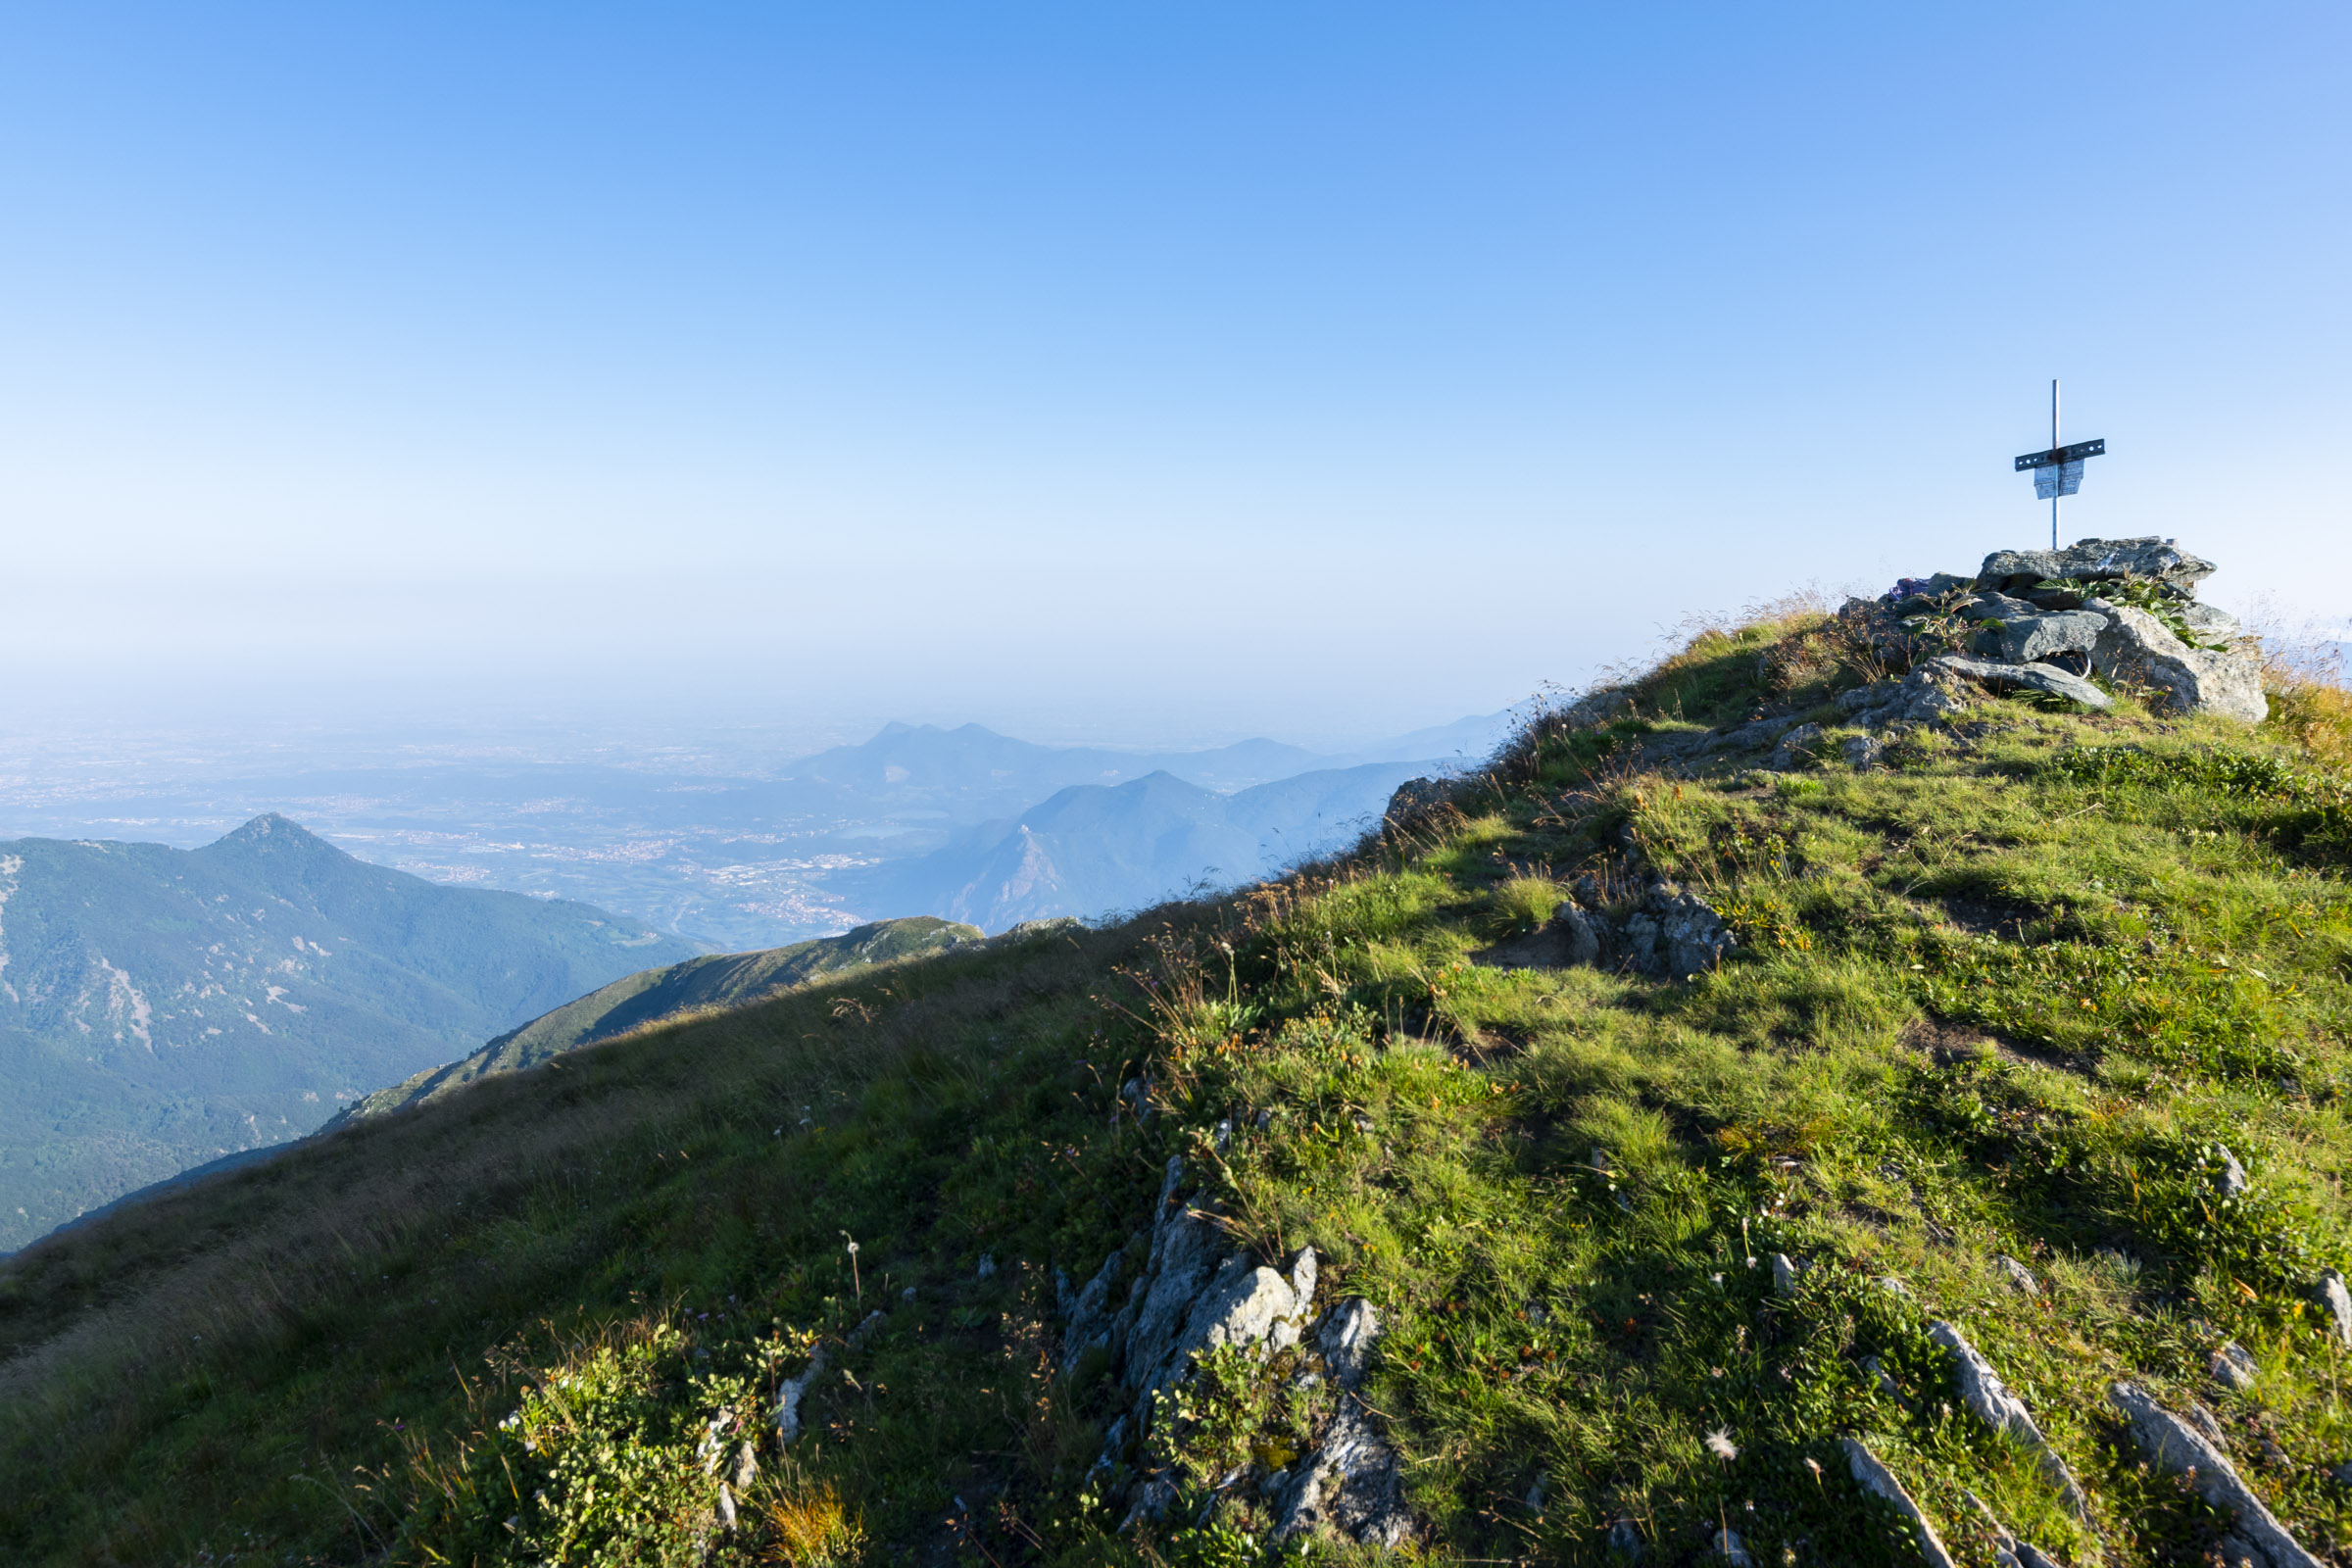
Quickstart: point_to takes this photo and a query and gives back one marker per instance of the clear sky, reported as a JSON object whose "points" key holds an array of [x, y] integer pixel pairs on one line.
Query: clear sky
{"points": [[1142, 370]]}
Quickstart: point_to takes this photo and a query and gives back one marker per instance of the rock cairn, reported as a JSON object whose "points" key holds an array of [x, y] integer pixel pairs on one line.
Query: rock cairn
{"points": [[2044, 620]]}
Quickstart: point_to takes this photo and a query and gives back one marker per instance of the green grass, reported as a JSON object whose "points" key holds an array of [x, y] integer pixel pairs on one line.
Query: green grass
{"points": [[2005, 994]]}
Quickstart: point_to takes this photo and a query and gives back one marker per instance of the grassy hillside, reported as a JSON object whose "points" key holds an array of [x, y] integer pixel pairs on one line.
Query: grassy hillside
{"points": [[2013, 1008], [714, 983], [161, 1008]]}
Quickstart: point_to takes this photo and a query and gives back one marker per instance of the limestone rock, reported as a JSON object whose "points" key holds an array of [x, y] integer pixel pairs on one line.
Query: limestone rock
{"points": [[1983, 1391], [1346, 1341], [1876, 1478], [792, 1391], [2017, 571], [1732, 1550], [2007, 1550], [2338, 1301], [2211, 622], [1795, 749], [1747, 737], [1088, 1313], [2024, 677], [1352, 1484], [2233, 1368], [1997, 606], [1691, 934], [2018, 1275], [2138, 648], [2232, 1179], [1783, 1275], [2034, 635], [1861, 751], [2172, 1446]]}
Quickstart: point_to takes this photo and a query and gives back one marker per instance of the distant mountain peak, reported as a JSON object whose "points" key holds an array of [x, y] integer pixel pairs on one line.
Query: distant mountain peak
{"points": [[272, 830]]}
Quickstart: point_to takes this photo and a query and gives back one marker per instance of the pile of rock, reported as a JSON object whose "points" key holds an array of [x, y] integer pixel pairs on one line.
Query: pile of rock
{"points": [[2047, 619]]}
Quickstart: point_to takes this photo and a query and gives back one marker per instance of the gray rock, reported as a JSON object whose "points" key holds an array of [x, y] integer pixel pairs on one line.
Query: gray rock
{"points": [[988, 1266], [2024, 677], [2018, 1274], [2338, 1301], [1878, 1481], [2207, 1423], [2174, 1447], [1894, 1287], [2140, 649], [1417, 797], [1640, 944], [1732, 1550], [867, 1329], [1795, 749], [2037, 635], [1597, 708], [1353, 1485], [1747, 737], [792, 1391], [2016, 572], [2007, 1550], [2210, 621], [747, 1467], [1626, 1536], [1088, 1313], [1691, 936], [2238, 1552], [1885, 1379], [1861, 751], [1783, 1275], [1983, 1391], [1991, 605], [2233, 1368], [2232, 1179], [1346, 1341], [1186, 1249]]}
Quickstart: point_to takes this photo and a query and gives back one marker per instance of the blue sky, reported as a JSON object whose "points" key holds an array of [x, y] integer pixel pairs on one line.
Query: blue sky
{"points": [[1138, 370]]}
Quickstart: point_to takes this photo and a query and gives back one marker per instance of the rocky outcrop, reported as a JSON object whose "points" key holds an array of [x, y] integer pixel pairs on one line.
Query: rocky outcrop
{"points": [[2022, 571], [1666, 932], [1352, 1485], [2172, 1446], [1983, 1391], [1192, 1297], [2047, 619], [2137, 648], [1873, 1476]]}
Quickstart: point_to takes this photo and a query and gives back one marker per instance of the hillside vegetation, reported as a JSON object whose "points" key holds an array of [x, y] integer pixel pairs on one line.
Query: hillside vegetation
{"points": [[160, 1008], [2037, 1015], [713, 983]]}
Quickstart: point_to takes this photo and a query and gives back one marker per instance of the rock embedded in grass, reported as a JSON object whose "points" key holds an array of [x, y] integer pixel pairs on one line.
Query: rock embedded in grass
{"points": [[2018, 1275], [1983, 1393], [2176, 1447], [2338, 1301], [2233, 1368], [1873, 1476]]}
